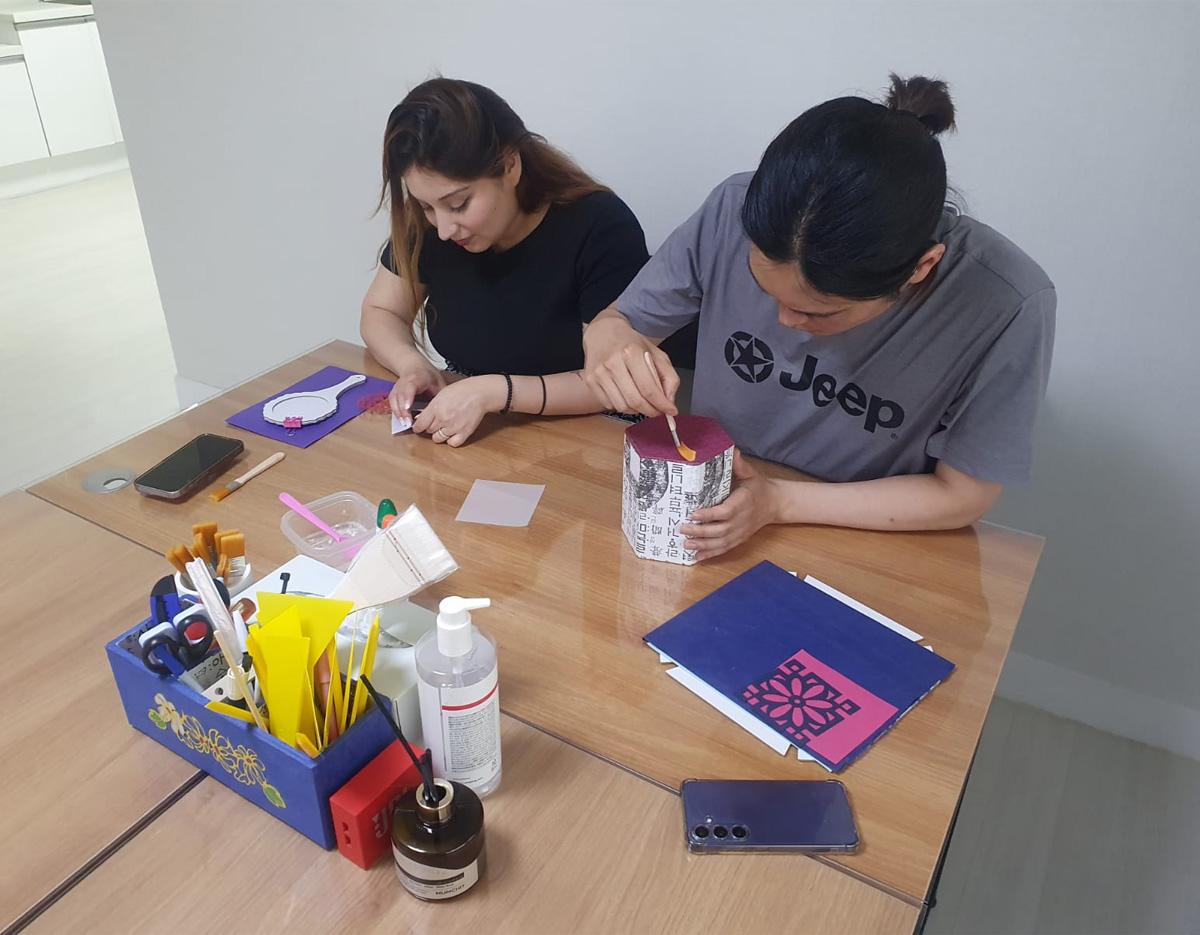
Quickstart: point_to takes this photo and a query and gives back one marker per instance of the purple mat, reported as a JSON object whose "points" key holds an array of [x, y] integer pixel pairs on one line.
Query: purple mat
{"points": [[251, 418]]}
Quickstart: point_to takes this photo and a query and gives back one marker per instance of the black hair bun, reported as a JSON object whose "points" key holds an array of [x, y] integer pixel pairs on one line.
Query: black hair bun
{"points": [[927, 99]]}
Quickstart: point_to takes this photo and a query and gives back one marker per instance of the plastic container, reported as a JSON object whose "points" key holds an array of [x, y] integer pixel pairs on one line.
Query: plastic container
{"points": [[458, 691], [401, 625], [352, 515]]}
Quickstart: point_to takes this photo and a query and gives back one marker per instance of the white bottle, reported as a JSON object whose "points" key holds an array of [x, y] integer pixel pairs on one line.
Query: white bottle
{"points": [[460, 697]]}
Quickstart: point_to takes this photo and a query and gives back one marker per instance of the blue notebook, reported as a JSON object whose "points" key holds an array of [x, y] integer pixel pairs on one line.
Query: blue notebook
{"points": [[821, 674]]}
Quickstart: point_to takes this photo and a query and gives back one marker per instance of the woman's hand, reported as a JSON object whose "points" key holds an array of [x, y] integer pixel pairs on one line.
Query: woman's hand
{"points": [[456, 411], [416, 376], [753, 503], [615, 367]]}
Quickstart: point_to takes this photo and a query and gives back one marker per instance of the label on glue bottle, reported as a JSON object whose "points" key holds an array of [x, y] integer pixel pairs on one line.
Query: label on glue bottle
{"points": [[462, 729], [434, 882]]}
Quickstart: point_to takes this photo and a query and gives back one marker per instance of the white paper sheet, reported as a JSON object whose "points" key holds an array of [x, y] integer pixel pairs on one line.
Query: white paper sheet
{"points": [[499, 503]]}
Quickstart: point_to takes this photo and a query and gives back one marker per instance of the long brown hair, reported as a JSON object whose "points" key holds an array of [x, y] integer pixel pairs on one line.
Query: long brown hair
{"points": [[465, 131]]}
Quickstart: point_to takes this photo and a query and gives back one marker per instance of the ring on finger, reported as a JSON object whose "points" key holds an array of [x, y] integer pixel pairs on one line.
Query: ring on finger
{"points": [[441, 433]]}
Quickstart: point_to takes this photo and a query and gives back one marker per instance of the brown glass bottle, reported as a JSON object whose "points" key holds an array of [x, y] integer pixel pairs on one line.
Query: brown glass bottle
{"points": [[438, 849]]}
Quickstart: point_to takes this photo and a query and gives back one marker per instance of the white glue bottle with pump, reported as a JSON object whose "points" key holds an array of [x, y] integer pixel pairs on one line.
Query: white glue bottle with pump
{"points": [[460, 697]]}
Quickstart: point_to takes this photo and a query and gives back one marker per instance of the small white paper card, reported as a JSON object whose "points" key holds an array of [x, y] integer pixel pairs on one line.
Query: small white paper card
{"points": [[499, 503], [400, 425]]}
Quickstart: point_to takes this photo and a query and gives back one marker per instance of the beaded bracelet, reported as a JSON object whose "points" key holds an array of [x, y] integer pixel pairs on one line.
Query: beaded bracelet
{"points": [[508, 400]]}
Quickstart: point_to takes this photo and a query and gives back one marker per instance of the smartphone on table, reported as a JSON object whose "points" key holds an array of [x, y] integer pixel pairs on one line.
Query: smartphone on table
{"points": [[767, 815], [192, 466]]}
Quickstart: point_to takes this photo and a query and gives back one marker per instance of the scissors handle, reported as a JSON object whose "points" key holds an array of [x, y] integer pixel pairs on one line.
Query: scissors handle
{"points": [[195, 636], [160, 656]]}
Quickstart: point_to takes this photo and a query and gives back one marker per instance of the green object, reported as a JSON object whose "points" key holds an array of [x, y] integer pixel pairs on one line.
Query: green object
{"points": [[386, 508]]}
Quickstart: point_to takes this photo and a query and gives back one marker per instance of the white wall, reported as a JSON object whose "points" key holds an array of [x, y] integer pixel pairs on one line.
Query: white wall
{"points": [[254, 131]]}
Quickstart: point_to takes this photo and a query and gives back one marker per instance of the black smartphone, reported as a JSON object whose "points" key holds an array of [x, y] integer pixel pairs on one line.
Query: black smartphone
{"points": [[182, 471], [765, 815]]}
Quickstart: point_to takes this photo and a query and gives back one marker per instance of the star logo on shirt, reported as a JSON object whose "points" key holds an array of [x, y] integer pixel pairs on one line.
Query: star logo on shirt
{"points": [[749, 357]]}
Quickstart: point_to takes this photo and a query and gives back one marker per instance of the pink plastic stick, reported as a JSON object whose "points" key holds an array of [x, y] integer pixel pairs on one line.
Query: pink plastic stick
{"points": [[288, 500]]}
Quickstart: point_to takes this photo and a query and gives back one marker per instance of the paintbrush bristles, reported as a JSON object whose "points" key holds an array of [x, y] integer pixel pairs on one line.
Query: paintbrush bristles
{"points": [[688, 454], [238, 483]]}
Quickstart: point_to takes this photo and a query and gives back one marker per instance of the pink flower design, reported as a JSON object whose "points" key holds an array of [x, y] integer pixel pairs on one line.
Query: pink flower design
{"points": [[793, 701]]}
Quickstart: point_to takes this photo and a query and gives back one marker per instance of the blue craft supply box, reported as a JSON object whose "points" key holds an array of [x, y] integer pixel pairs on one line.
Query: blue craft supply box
{"points": [[276, 777]]}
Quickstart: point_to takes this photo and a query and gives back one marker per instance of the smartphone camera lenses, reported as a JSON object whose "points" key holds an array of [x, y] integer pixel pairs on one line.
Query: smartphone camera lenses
{"points": [[720, 832]]}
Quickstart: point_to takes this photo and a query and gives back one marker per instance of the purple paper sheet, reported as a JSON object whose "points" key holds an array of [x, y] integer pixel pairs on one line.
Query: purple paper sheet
{"points": [[251, 418]]}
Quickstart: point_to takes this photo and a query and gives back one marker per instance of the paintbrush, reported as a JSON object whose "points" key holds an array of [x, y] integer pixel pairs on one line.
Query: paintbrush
{"points": [[218, 495], [225, 632], [688, 454]]}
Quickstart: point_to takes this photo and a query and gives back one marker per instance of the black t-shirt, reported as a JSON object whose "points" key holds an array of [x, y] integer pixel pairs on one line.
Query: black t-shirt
{"points": [[522, 311]]}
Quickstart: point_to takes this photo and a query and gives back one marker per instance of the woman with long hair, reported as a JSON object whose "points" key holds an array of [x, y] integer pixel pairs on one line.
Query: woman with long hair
{"points": [[501, 250]]}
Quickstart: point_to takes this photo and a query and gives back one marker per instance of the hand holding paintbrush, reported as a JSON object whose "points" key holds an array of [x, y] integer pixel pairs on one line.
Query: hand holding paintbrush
{"points": [[688, 454]]}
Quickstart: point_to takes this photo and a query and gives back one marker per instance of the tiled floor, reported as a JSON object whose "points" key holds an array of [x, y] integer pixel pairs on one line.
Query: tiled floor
{"points": [[84, 355], [1064, 828]]}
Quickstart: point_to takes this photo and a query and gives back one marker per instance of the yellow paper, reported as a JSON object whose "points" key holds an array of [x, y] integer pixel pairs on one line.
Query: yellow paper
{"points": [[308, 713], [319, 617], [287, 661], [333, 698], [260, 663], [286, 623], [345, 711], [306, 745], [232, 711], [329, 729], [366, 667]]}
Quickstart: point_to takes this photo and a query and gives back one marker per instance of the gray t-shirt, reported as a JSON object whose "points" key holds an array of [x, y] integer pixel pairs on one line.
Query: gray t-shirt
{"points": [[952, 372]]}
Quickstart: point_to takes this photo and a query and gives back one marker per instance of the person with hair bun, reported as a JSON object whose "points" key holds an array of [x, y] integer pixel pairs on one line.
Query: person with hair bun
{"points": [[505, 247], [852, 326]]}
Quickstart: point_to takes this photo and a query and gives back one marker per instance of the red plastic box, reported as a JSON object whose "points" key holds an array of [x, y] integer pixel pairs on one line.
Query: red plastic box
{"points": [[362, 808]]}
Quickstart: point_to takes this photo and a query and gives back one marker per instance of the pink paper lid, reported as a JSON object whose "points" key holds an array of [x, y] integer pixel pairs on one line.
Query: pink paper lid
{"points": [[652, 439]]}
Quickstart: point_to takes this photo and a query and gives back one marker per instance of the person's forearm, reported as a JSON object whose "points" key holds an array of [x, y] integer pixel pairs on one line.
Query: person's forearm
{"points": [[387, 336], [906, 502], [566, 394]]}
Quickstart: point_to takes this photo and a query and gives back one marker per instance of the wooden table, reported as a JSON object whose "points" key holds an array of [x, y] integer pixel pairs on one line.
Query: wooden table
{"points": [[76, 779], [573, 845], [572, 602]]}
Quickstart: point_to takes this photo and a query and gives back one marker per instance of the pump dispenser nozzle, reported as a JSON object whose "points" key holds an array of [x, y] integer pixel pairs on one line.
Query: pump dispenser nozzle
{"points": [[454, 623]]}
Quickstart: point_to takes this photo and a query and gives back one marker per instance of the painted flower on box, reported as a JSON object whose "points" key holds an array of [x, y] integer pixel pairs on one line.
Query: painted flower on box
{"points": [[241, 762]]}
